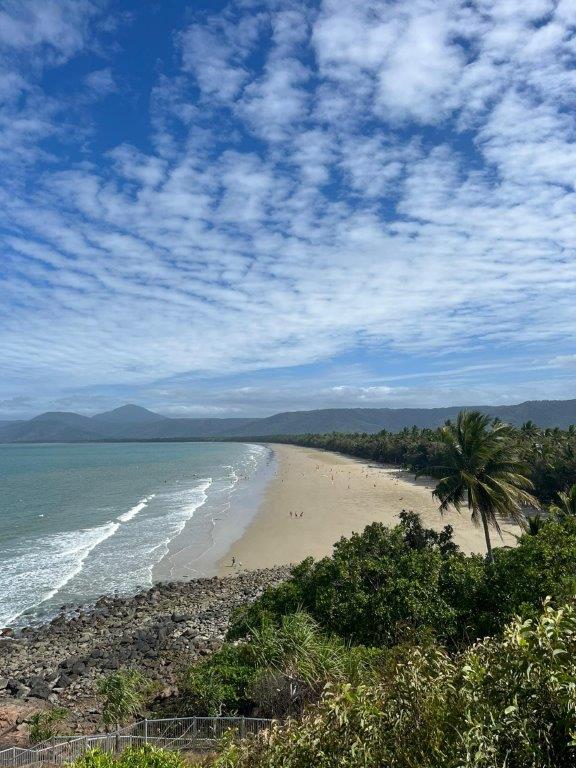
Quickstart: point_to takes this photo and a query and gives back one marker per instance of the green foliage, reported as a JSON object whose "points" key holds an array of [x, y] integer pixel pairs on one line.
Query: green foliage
{"points": [[520, 694], [278, 670], [132, 757], [45, 724], [566, 504], [386, 586], [480, 467], [380, 587], [507, 701], [124, 694], [219, 683], [295, 660], [523, 576]]}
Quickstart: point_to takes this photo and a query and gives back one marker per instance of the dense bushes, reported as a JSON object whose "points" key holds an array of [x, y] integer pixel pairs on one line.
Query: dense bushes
{"points": [[124, 693], [401, 652], [218, 684], [280, 669], [132, 757], [506, 701], [385, 586]]}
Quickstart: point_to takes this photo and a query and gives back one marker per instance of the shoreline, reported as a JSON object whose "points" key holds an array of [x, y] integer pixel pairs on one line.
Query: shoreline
{"points": [[228, 518], [159, 630], [338, 495]]}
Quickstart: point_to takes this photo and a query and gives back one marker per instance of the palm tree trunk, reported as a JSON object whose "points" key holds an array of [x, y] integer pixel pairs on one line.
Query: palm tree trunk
{"points": [[489, 555]]}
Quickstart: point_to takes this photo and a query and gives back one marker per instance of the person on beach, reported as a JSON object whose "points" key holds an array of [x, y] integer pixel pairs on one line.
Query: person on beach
{"points": [[233, 562]]}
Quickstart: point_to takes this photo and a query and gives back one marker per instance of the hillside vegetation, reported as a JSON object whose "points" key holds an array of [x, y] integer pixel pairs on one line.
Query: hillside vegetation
{"points": [[401, 651]]}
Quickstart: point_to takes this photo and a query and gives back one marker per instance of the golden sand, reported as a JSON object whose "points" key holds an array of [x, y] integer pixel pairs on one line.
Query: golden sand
{"points": [[316, 497]]}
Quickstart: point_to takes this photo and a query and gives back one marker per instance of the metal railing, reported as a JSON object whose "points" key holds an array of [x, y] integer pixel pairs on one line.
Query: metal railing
{"points": [[179, 734]]}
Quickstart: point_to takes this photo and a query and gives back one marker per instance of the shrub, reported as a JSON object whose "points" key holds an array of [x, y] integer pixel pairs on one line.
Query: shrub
{"points": [[520, 694], [279, 669], [124, 693], [295, 661], [218, 684], [378, 588], [386, 586], [508, 701], [132, 757], [44, 725], [522, 577]]}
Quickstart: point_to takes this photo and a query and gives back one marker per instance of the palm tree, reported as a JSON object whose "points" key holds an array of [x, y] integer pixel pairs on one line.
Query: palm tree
{"points": [[481, 468], [530, 429], [566, 506]]}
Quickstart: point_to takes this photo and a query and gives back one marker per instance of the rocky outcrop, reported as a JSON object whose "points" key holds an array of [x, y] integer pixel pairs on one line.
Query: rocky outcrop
{"points": [[156, 631]]}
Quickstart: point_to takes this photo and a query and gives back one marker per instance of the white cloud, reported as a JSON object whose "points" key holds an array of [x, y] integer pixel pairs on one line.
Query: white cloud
{"points": [[379, 175], [210, 60], [274, 105], [416, 79], [36, 35], [564, 361], [101, 82], [62, 25]]}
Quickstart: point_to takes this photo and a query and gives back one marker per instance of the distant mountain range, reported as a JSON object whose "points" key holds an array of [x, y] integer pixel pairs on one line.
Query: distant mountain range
{"points": [[131, 422]]}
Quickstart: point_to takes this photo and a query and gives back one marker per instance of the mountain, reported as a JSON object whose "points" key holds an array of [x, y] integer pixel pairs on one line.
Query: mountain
{"points": [[128, 422], [131, 422], [128, 414], [52, 427], [545, 413], [184, 428]]}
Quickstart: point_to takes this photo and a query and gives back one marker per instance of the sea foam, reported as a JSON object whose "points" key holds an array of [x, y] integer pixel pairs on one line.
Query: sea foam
{"points": [[131, 514], [37, 575], [42, 569]]}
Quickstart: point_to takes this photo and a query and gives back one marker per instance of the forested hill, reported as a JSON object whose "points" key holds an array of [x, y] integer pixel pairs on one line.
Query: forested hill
{"points": [[131, 422], [545, 413]]}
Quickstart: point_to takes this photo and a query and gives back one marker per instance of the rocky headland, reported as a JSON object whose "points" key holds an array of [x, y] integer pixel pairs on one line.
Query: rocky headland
{"points": [[157, 631]]}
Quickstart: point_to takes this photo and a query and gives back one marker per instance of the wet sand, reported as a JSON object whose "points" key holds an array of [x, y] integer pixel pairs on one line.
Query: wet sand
{"points": [[329, 496]]}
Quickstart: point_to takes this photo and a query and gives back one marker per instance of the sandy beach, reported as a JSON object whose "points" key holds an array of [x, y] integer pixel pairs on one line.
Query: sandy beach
{"points": [[329, 496]]}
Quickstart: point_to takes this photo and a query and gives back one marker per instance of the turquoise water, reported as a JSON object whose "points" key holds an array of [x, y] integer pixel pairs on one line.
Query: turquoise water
{"points": [[79, 521]]}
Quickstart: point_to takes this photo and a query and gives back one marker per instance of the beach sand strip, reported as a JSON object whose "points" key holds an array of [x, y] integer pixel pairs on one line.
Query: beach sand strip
{"points": [[316, 497]]}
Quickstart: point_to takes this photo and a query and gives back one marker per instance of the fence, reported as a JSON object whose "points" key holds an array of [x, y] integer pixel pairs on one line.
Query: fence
{"points": [[182, 734]]}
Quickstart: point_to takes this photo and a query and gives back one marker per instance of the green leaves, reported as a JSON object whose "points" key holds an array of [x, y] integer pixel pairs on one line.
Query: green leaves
{"points": [[133, 757], [124, 694], [46, 724], [507, 701], [482, 468], [378, 588], [276, 671], [566, 504], [217, 684]]}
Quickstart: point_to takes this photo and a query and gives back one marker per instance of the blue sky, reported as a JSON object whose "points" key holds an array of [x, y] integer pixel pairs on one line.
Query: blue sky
{"points": [[228, 208]]}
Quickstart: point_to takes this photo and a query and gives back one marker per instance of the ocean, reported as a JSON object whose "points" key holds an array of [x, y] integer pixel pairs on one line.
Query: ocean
{"points": [[81, 520]]}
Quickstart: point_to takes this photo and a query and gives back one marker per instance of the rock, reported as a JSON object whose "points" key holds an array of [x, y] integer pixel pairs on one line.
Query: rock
{"points": [[40, 691], [157, 630], [12, 717]]}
